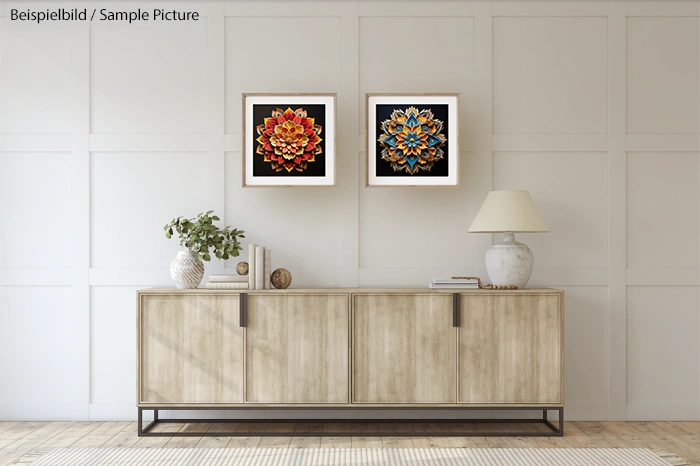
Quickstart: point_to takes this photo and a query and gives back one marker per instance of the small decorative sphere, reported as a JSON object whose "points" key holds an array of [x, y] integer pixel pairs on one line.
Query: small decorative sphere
{"points": [[242, 268], [281, 279]]}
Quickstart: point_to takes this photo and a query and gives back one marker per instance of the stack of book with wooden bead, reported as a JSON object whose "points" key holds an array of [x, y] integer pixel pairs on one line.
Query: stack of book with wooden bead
{"points": [[228, 282], [454, 283]]}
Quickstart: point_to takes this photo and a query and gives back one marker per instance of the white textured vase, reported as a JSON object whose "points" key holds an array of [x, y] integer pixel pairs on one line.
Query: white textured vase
{"points": [[187, 270], [509, 262]]}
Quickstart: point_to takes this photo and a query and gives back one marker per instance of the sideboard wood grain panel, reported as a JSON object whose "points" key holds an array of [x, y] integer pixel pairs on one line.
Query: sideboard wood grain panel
{"points": [[190, 349], [511, 349], [297, 348], [403, 349]]}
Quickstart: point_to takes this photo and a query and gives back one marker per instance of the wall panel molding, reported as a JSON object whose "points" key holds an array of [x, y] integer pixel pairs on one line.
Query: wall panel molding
{"points": [[550, 143], [216, 115], [546, 8], [149, 142], [80, 338], [663, 411], [10, 276], [663, 143], [437, 9], [663, 8], [483, 121], [676, 276], [348, 170], [281, 8], [569, 276], [617, 211], [36, 143]]}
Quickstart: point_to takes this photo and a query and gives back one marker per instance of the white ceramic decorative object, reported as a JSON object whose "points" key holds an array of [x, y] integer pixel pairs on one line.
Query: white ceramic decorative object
{"points": [[187, 270], [509, 262]]}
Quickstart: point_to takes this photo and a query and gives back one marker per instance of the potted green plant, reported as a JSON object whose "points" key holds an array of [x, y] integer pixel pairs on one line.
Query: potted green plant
{"points": [[200, 238]]}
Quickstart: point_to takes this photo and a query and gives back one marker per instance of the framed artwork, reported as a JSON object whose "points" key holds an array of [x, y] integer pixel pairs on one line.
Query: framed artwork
{"points": [[289, 140], [412, 140]]}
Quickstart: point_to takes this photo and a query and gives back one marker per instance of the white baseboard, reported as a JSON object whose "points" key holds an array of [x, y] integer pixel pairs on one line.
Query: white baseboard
{"points": [[663, 412], [582, 411], [116, 412], [43, 412]]}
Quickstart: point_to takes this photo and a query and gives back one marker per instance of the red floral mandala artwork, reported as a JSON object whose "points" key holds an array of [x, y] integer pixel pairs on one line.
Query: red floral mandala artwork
{"points": [[289, 140]]}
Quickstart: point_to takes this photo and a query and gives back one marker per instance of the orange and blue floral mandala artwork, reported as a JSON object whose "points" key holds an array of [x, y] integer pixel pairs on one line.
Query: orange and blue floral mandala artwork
{"points": [[412, 140], [289, 140]]}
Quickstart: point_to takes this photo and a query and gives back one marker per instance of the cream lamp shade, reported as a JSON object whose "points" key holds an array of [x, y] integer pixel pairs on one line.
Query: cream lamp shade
{"points": [[509, 212], [513, 211]]}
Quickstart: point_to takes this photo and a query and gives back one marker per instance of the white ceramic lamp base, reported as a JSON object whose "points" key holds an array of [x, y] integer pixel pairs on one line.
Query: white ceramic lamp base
{"points": [[509, 262]]}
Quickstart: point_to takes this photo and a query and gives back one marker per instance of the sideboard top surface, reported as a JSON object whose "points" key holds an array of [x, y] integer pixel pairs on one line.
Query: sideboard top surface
{"points": [[364, 290]]}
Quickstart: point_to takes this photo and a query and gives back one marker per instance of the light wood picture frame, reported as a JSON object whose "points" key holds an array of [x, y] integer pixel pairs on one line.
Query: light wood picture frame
{"points": [[289, 140], [422, 153]]}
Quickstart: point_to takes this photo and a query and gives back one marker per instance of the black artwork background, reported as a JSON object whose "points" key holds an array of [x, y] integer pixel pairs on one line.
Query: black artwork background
{"points": [[313, 169], [440, 168]]}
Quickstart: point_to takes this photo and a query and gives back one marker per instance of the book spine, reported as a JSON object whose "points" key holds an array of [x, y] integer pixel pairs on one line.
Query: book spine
{"points": [[440, 281], [251, 266], [231, 279], [259, 267], [227, 286], [267, 269]]}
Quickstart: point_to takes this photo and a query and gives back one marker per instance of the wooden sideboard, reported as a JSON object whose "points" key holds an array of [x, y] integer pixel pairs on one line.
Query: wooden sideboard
{"points": [[350, 348]]}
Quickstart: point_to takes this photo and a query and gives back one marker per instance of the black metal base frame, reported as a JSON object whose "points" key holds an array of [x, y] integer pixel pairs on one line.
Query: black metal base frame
{"points": [[555, 431]]}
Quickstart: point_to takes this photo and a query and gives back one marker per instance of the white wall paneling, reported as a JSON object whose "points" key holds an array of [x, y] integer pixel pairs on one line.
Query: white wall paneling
{"points": [[108, 132], [675, 178], [42, 182], [587, 361], [38, 363], [538, 56], [662, 323], [149, 80], [671, 41], [32, 104]]}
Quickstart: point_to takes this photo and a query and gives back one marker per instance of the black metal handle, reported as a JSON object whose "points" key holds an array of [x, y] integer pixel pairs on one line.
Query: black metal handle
{"points": [[456, 314], [243, 309]]}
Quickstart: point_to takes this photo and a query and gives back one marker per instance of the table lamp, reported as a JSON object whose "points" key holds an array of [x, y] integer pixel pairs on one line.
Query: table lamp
{"points": [[509, 212]]}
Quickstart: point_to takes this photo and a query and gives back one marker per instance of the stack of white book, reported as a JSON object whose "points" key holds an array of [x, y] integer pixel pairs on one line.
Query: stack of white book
{"points": [[259, 269], [228, 282], [454, 283]]}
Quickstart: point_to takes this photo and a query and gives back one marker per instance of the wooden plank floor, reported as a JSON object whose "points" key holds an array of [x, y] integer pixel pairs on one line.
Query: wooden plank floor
{"points": [[20, 438]]}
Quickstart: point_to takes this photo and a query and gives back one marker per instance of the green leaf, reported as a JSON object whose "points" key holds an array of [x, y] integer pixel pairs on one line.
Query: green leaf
{"points": [[206, 257], [215, 218]]}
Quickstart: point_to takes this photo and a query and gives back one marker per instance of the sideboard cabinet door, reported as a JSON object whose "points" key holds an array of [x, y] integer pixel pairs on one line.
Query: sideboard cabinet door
{"points": [[191, 349], [297, 348], [510, 349], [403, 349]]}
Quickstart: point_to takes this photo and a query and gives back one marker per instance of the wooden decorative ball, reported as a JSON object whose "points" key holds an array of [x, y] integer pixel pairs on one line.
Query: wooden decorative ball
{"points": [[242, 268], [281, 279]]}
